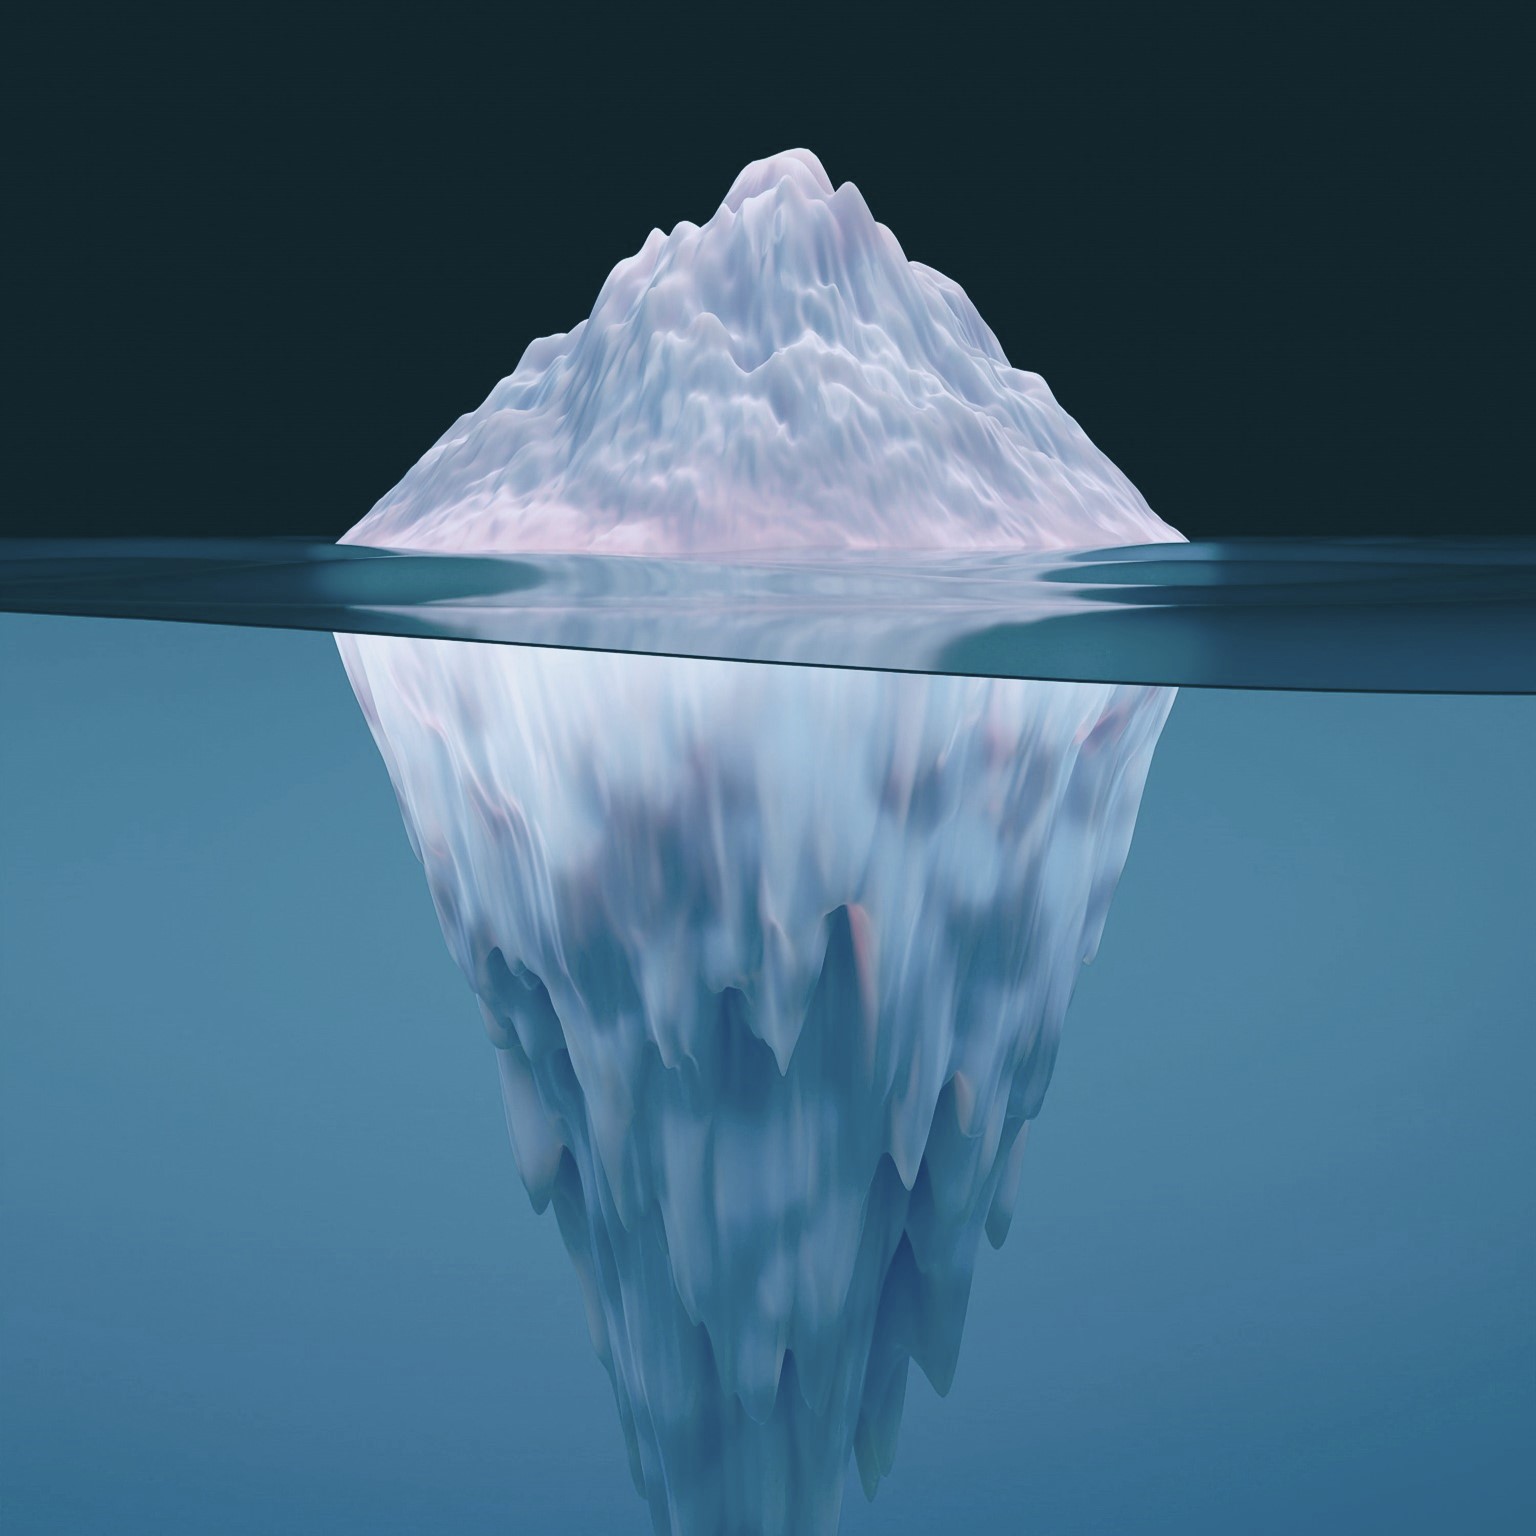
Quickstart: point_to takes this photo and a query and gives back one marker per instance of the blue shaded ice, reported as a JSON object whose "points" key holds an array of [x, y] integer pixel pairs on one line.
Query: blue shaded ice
{"points": [[774, 959]]}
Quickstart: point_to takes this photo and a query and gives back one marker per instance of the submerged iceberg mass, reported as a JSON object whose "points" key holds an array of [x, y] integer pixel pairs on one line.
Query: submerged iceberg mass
{"points": [[774, 959]]}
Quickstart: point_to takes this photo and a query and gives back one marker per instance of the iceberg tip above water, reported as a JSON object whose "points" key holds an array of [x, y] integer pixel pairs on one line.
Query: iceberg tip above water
{"points": [[778, 377]]}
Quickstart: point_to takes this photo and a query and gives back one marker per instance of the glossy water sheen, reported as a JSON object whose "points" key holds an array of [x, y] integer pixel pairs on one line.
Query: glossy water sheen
{"points": [[264, 1264], [1446, 616]]}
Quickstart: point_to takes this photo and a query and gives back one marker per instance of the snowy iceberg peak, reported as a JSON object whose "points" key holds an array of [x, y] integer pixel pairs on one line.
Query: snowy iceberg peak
{"points": [[797, 166], [778, 377]]}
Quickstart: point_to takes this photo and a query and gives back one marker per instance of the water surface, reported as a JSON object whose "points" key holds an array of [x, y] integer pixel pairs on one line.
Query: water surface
{"points": [[1440, 616]]}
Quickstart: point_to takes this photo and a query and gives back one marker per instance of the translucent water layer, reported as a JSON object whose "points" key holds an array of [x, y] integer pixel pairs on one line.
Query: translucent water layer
{"points": [[1393, 616]]}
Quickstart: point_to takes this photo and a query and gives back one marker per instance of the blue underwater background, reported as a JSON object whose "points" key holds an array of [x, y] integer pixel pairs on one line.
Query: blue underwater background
{"points": [[266, 1265]]}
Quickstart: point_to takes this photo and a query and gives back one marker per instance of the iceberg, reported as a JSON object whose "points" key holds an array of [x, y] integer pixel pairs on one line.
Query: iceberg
{"points": [[780, 378], [774, 959]]}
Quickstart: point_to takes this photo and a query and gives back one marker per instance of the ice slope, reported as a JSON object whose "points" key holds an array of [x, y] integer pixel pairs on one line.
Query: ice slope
{"points": [[781, 376], [774, 959]]}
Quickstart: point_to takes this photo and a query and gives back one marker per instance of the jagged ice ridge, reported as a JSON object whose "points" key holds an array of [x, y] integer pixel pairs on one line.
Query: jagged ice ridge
{"points": [[781, 377]]}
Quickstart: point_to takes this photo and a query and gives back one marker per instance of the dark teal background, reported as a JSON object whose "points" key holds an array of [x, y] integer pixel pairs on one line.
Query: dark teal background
{"points": [[265, 1264]]}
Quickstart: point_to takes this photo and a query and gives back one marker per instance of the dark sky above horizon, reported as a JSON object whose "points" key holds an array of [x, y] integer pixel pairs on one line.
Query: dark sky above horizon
{"points": [[1279, 275]]}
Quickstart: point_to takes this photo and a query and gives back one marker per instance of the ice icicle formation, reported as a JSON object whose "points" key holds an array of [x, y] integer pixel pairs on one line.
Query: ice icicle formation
{"points": [[774, 959]]}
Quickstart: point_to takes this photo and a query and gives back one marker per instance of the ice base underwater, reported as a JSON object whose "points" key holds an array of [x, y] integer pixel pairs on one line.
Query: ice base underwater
{"points": [[775, 962]]}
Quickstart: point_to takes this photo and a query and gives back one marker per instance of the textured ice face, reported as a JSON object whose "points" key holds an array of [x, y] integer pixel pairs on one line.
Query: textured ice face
{"points": [[781, 376], [774, 959]]}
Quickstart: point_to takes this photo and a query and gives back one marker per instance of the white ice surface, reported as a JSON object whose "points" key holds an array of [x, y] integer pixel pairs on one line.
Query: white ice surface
{"points": [[781, 376]]}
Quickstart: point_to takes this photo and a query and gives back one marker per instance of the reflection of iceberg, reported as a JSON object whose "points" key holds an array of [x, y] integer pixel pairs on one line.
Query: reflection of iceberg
{"points": [[775, 959]]}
